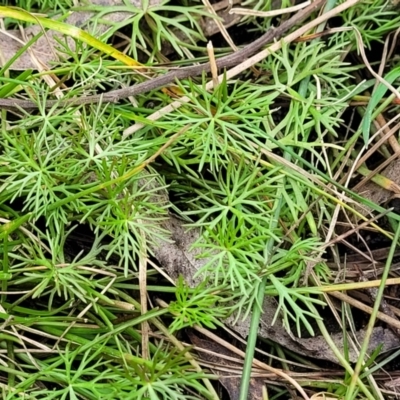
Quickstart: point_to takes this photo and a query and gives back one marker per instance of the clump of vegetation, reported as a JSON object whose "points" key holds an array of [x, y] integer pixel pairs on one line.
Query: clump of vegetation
{"points": [[261, 167]]}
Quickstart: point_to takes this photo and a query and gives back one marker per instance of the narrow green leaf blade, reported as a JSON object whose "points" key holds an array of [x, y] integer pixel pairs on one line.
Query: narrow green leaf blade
{"points": [[376, 97], [10, 86]]}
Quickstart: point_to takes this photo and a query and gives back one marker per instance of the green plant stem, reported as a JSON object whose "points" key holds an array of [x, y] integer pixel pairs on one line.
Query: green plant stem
{"points": [[338, 287], [257, 308], [15, 57], [371, 323], [340, 356], [11, 363]]}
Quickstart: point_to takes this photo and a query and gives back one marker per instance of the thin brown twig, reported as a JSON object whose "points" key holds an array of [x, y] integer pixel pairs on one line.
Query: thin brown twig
{"points": [[220, 24], [393, 322]]}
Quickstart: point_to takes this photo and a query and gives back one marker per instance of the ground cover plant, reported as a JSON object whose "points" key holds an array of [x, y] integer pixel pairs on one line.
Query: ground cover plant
{"points": [[171, 233]]}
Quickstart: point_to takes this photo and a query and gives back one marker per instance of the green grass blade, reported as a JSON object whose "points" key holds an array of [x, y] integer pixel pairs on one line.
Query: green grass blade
{"points": [[376, 97], [7, 89]]}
